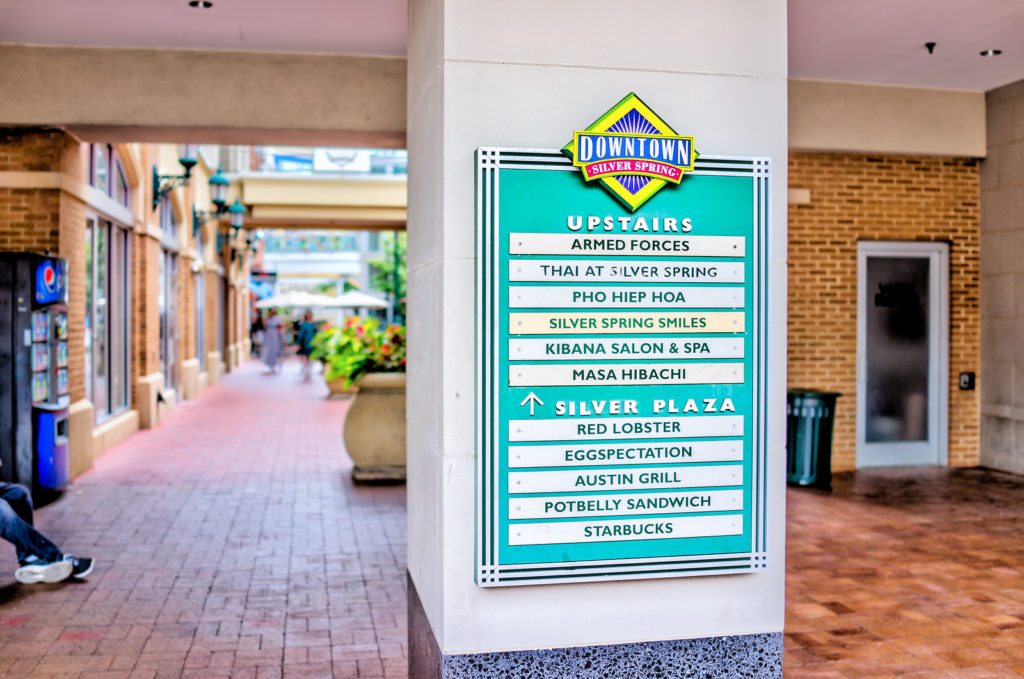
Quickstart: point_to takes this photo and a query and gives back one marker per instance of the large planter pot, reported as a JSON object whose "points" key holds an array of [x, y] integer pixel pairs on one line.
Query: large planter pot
{"points": [[375, 428]]}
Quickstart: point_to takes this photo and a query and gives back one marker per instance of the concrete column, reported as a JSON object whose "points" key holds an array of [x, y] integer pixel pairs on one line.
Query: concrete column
{"points": [[1002, 282], [487, 73]]}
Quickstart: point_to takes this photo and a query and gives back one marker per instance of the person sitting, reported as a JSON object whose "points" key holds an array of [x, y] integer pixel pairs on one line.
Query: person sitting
{"points": [[40, 560]]}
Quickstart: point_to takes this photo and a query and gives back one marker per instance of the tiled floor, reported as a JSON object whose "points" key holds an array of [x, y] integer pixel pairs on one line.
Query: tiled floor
{"points": [[230, 543], [907, 573]]}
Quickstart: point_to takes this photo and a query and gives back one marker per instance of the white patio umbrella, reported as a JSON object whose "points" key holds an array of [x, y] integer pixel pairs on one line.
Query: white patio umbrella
{"points": [[353, 299], [296, 298]]}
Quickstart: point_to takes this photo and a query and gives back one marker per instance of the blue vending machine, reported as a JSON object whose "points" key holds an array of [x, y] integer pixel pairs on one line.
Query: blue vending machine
{"points": [[34, 365]]}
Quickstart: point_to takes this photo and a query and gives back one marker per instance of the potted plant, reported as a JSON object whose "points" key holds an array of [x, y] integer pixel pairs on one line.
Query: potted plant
{"points": [[363, 356], [331, 347]]}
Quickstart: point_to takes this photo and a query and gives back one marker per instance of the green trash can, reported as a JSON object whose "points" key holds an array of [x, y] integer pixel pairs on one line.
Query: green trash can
{"points": [[810, 417]]}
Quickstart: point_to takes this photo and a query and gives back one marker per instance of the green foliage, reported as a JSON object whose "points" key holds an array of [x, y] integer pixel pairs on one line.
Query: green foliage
{"points": [[359, 346], [382, 270]]}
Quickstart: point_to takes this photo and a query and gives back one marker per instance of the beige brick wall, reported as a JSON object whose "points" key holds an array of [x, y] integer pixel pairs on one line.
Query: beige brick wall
{"points": [[855, 198], [72, 248], [32, 150], [29, 220]]}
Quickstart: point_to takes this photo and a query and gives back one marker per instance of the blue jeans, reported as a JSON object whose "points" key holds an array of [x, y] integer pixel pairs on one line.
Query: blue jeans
{"points": [[16, 525]]}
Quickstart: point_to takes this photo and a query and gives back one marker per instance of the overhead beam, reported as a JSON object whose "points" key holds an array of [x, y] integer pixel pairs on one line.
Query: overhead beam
{"points": [[831, 116], [205, 96]]}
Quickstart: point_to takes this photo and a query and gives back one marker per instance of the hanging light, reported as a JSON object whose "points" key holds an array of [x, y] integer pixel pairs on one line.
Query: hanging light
{"points": [[188, 156], [237, 213], [219, 190]]}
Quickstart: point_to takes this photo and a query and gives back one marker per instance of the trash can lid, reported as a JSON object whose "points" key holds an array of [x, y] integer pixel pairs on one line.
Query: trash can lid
{"points": [[798, 391]]}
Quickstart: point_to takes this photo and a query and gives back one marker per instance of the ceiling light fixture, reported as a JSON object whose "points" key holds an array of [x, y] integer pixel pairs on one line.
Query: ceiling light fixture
{"points": [[991, 53], [200, 4], [930, 46]]}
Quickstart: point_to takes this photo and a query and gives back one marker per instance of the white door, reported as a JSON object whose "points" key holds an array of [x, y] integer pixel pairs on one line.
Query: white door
{"points": [[902, 355]]}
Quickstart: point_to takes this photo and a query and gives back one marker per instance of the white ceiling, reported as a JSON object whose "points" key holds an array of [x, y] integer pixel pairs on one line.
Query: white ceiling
{"points": [[373, 27], [868, 41], [882, 41]]}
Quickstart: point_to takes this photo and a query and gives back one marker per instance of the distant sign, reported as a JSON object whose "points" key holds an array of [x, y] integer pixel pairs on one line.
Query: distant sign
{"points": [[621, 358], [341, 160]]}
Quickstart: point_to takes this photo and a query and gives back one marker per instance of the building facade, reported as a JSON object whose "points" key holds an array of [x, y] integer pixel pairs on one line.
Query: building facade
{"points": [[158, 290]]}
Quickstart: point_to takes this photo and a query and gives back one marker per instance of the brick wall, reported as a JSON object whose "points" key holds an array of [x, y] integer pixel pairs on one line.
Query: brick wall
{"points": [[855, 198], [186, 308], [29, 220], [32, 150], [50, 221], [72, 248]]}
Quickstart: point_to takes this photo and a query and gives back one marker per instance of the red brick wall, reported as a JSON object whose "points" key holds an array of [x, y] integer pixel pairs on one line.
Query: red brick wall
{"points": [[29, 220], [32, 150], [72, 248], [48, 220], [856, 197]]}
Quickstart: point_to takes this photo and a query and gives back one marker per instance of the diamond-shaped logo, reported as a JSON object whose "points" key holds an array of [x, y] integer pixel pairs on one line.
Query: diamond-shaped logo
{"points": [[632, 152]]}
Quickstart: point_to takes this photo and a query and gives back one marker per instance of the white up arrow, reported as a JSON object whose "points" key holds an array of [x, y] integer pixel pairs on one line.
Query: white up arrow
{"points": [[533, 401]]}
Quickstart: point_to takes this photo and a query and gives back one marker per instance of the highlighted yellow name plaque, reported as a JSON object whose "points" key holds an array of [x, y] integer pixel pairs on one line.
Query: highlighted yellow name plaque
{"points": [[569, 323]]}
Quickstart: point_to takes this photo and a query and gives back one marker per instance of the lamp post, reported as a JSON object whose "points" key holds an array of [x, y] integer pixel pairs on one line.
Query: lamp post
{"points": [[237, 215], [236, 220], [188, 156], [219, 190], [218, 196]]}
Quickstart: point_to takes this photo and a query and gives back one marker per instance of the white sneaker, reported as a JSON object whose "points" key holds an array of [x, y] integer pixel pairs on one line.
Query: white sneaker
{"points": [[44, 572]]}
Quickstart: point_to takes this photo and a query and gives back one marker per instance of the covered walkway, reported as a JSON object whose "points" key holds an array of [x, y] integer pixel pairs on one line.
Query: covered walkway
{"points": [[231, 543]]}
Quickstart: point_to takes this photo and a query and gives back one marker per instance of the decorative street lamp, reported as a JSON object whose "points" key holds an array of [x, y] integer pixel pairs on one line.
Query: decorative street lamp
{"points": [[218, 196], [219, 190], [188, 156], [237, 214]]}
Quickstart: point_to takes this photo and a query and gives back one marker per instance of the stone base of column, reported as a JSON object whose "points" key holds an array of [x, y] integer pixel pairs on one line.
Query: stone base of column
{"points": [[757, 656]]}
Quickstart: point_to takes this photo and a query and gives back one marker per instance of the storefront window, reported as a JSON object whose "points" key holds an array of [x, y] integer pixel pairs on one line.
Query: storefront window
{"points": [[120, 193], [167, 294], [106, 173], [200, 292], [221, 318], [106, 318], [200, 286], [90, 231], [99, 174]]}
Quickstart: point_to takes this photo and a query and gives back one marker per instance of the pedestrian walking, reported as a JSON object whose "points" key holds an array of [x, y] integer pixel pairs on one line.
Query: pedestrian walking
{"points": [[256, 331], [39, 559], [273, 342], [304, 340]]}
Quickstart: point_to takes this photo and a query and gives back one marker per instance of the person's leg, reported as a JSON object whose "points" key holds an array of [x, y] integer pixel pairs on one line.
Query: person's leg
{"points": [[27, 540], [19, 499]]}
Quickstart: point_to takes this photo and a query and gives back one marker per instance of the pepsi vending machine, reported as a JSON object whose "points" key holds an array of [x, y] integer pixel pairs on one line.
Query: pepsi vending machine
{"points": [[33, 370]]}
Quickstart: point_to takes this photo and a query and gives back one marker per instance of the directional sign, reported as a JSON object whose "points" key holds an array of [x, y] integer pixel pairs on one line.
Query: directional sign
{"points": [[532, 400], [621, 352]]}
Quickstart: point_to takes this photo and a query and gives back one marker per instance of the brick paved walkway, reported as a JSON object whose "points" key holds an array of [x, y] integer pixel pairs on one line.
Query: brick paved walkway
{"points": [[907, 573], [230, 543]]}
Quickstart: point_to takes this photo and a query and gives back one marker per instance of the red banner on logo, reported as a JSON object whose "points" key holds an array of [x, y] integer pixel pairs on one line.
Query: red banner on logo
{"points": [[644, 168]]}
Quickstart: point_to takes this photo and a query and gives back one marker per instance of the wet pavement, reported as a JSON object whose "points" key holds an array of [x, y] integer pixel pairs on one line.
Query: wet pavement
{"points": [[230, 542], [907, 572]]}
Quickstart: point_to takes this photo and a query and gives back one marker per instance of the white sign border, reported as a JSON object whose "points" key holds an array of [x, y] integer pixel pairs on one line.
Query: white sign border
{"points": [[489, 571]]}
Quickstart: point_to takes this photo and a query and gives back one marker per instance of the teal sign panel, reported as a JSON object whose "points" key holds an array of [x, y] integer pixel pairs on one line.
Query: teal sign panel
{"points": [[621, 361]]}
